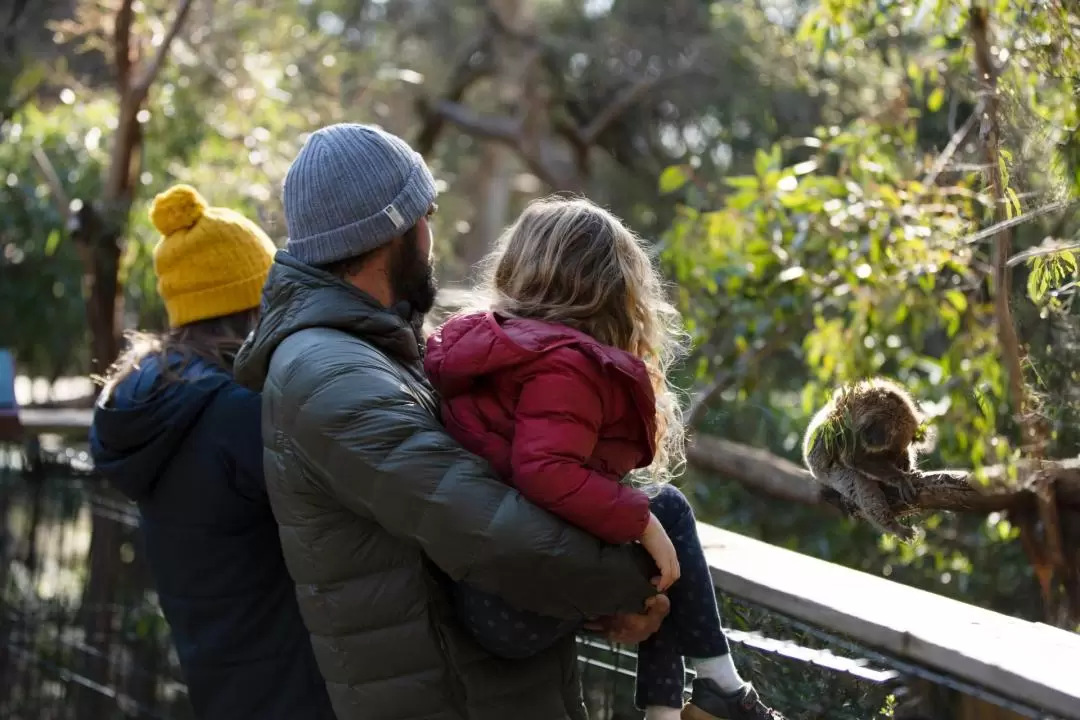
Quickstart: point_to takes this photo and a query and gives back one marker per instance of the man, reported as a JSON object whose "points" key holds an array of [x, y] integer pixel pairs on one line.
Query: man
{"points": [[379, 509]]}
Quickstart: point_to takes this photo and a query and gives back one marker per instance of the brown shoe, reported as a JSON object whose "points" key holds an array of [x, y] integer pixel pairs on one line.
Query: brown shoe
{"points": [[709, 703]]}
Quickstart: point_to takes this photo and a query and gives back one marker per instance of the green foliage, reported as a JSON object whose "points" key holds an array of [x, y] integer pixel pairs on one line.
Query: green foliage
{"points": [[863, 256], [846, 254], [1049, 271], [41, 309], [673, 178], [835, 434], [227, 120]]}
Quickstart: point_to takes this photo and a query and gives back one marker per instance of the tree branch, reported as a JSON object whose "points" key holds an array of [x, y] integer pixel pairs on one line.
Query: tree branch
{"points": [[1012, 355], [52, 179], [474, 63], [539, 154], [149, 74], [625, 99], [955, 142], [497, 128], [957, 490], [125, 18], [1052, 248], [18, 7], [754, 468]]}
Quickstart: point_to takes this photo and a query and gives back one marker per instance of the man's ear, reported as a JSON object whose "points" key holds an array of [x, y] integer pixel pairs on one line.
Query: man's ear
{"points": [[374, 262]]}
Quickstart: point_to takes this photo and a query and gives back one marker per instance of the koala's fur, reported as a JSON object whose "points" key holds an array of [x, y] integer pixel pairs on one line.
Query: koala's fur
{"points": [[866, 441]]}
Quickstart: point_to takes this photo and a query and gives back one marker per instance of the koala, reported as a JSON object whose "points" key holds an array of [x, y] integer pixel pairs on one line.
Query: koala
{"points": [[864, 446]]}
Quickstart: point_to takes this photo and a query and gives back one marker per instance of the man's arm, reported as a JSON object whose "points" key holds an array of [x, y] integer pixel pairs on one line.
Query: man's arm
{"points": [[386, 458]]}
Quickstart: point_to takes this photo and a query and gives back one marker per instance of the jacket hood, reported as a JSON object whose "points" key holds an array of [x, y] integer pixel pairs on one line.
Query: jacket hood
{"points": [[469, 347], [297, 297], [139, 427]]}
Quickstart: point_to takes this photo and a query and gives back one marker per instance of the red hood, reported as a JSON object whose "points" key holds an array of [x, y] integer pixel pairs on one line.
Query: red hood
{"points": [[469, 347]]}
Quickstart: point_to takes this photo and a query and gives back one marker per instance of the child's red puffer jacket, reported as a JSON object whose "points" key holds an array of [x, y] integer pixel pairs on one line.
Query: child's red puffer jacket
{"points": [[559, 415]]}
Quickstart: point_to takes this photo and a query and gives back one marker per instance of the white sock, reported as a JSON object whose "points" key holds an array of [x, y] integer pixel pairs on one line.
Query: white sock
{"points": [[659, 712], [721, 670]]}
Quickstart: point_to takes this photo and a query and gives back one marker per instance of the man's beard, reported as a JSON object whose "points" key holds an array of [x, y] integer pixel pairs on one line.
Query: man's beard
{"points": [[412, 276]]}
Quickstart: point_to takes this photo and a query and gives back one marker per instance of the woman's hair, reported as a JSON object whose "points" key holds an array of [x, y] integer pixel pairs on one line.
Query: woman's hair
{"points": [[215, 340], [569, 261]]}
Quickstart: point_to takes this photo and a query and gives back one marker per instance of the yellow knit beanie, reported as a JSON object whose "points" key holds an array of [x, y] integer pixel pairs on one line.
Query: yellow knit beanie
{"points": [[210, 261]]}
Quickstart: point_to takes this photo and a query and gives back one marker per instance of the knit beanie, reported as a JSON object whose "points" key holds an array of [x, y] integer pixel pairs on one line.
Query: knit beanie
{"points": [[351, 189], [210, 262]]}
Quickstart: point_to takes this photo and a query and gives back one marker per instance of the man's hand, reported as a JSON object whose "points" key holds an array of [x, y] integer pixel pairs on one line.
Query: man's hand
{"points": [[633, 628]]}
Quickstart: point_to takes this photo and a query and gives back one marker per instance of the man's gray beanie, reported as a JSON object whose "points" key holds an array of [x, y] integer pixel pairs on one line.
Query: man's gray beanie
{"points": [[353, 188]]}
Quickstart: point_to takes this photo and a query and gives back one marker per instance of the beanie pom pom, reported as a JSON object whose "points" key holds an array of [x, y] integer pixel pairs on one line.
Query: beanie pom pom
{"points": [[178, 208]]}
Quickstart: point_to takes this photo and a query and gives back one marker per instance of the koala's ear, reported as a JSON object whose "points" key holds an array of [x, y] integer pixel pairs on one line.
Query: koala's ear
{"points": [[874, 434]]}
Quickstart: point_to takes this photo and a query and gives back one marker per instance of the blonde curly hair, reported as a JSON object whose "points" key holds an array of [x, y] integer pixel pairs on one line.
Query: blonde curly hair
{"points": [[570, 261]]}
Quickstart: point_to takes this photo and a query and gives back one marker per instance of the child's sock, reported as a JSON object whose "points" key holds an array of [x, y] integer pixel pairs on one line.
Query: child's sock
{"points": [[721, 670], [659, 712]]}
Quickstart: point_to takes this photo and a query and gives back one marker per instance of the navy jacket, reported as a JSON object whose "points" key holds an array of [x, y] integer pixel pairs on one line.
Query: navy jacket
{"points": [[189, 453]]}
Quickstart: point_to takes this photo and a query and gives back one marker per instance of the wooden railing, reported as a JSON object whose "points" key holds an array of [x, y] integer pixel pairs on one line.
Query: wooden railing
{"points": [[1030, 663]]}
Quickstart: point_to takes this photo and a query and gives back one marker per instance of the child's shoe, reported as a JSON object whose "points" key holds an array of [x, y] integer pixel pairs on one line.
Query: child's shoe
{"points": [[709, 703]]}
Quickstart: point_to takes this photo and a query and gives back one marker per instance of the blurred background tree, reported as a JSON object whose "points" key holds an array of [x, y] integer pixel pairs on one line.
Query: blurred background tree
{"points": [[835, 188]]}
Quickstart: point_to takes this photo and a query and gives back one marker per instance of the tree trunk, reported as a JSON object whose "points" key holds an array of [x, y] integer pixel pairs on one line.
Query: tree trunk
{"points": [[493, 202], [99, 243], [99, 235]]}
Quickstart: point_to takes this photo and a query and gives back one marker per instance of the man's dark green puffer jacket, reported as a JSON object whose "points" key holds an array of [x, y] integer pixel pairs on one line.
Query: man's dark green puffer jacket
{"points": [[379, 509]]}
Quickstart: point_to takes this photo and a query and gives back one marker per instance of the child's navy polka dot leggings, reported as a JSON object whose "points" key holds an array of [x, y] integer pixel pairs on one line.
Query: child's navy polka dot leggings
{"points": [[692, 628]]}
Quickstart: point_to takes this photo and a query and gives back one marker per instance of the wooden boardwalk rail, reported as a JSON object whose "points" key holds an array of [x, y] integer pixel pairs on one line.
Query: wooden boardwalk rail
{"points": [[1030, 663]]}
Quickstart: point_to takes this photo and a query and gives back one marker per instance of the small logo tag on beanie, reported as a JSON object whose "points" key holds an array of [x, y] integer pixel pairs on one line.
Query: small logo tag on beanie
{"points": [[395, 216]]}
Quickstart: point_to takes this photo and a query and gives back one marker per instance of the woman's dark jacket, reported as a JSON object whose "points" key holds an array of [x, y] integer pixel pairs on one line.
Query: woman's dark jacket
{"points": [[188, 452], [380, 508]]}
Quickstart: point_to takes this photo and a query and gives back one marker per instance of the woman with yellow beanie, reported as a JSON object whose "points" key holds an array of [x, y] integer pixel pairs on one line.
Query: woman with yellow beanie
{"points": [[175, 432]]}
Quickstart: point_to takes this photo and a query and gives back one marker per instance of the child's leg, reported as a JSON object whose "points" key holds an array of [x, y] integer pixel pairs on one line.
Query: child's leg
{"points": [[692, 628], [506, 631]]}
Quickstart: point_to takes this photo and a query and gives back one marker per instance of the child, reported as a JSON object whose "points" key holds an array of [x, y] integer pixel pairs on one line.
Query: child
{"points": [[562, 387]]}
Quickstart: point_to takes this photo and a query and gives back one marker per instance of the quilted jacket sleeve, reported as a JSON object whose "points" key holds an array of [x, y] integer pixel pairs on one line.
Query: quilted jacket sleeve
{"points": [[558, 417], [377, 450]]}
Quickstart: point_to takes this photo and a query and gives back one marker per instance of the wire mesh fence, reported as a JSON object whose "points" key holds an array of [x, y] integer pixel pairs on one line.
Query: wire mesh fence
{"points": [[793, 669], [74, 643], [82, 638]]}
